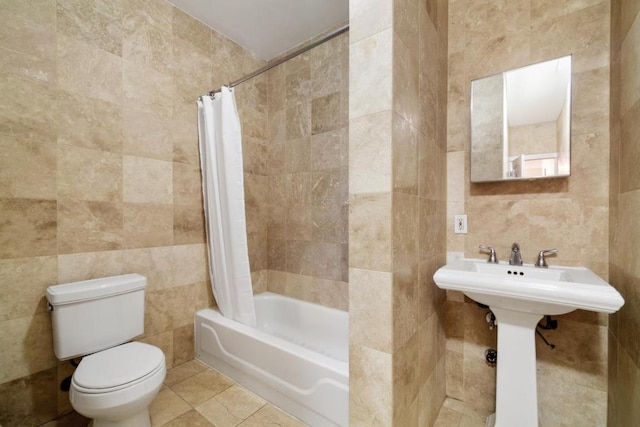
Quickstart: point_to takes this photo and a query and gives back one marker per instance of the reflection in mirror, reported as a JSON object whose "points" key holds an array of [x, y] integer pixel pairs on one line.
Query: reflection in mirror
{"points": [[521, 123]]}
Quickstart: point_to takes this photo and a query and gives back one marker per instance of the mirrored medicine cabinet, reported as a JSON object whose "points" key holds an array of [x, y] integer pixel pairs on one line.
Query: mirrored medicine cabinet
{"points": [[521, 123]]}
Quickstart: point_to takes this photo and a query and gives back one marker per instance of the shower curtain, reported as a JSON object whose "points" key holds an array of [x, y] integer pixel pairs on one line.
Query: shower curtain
{"points": [[223, 190]]}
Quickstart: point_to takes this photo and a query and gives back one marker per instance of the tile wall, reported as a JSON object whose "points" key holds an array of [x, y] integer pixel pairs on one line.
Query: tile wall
{"points": [[308, 175], [397, 204], [624, 349], [486, 37], [99, 173]]}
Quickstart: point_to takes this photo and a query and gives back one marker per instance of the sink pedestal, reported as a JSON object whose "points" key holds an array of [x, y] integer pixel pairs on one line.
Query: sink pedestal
{"points": [[515, 293], [516, 390]]}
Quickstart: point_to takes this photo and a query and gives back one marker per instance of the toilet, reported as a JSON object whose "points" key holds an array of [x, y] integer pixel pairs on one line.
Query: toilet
{"points": [[116, 380]]}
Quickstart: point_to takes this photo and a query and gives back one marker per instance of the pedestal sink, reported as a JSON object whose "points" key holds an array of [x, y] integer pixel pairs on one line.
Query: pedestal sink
{"points": [[520, 296]]}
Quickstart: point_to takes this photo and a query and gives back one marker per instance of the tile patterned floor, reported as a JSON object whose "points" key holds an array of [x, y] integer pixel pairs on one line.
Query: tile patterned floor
{"points": [[455, 413], [194, 395]]}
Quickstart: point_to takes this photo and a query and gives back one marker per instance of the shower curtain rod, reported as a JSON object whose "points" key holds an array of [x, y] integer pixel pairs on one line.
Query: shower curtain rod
{"points": [[275, 63]]}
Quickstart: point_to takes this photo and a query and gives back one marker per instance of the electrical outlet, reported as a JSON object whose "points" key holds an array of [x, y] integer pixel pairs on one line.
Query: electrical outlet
{"points": [[460, 224]]}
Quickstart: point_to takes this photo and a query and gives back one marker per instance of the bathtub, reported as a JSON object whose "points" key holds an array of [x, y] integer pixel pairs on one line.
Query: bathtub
{"points": [[296, 357]]}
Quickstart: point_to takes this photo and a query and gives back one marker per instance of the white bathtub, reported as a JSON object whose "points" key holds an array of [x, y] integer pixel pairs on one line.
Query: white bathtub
{"points": [[296, 358]]}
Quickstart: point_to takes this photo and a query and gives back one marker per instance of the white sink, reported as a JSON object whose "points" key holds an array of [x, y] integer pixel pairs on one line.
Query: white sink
{"points": [[519, 297], [553, 290]]}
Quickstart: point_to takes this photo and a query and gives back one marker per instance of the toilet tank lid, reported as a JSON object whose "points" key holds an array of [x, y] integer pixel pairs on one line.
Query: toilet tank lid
{"points": [[94, 288]]}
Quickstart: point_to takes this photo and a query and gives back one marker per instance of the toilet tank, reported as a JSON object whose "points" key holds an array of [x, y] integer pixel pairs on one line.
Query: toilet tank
{"points": [[96, 314]]}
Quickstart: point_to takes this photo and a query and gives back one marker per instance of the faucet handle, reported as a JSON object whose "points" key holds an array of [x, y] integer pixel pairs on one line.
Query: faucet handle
{"points": [[542, 262], [492, 253]]}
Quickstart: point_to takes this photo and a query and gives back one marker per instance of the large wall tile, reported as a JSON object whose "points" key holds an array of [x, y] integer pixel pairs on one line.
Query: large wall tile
{"points": [[89, 265], [371, 67], [298, 84], [191, 71], [147, 180], [367, 18], [327, 149], [405, 381], [405, 82], [191, 30], [370, 234], [298, 119], [147, 89], [370, 159], [21, 115], [325, 113], [146, 134], [405, 156], [33, 333], [28, 39], [327, 77], [27, 169], [156, 264], [254, 123], [190, 264], [630, 150], [89, 71], [28, 228], [370, 387], [30, 400], [97, 23], [85, 174], [188, 224], [590, 46], [147, 33], [187, 184], [89, 123], [88, 226], [23, 65], [185, 140], [24, 281], [147, 225], [371, 300]]}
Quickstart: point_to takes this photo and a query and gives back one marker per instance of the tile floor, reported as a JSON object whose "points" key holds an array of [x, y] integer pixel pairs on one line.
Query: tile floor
{"points": [[195, 395], [455, 413]]}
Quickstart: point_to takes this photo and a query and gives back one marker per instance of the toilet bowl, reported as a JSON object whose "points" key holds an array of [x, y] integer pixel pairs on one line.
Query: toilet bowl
{"points": [[114, 387], [117, 379]]}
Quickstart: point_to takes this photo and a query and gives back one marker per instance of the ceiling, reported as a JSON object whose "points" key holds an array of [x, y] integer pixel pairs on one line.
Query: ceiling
{"points": [[537, 93], [268, 28]]}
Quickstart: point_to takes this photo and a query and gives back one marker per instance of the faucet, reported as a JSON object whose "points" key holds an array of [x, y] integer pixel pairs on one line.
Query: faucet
{"points": [[492, 253], [542, 261], [516, 256]]}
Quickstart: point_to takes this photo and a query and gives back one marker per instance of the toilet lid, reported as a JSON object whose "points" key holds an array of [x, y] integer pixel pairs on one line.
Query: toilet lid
{"points": [[118, 365]]}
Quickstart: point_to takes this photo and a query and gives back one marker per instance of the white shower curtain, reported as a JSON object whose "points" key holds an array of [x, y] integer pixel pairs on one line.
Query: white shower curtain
{"points": [[223, 191]]}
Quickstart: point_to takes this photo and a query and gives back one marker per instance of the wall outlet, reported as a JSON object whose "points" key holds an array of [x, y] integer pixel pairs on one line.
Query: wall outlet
{"points": [[460, 224]]}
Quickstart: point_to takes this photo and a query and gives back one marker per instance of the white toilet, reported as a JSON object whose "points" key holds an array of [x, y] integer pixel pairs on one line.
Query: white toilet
{"points": [[115, 382]]}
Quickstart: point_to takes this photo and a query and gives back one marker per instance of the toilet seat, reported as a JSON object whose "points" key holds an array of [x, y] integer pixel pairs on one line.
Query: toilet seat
{"points": [[117, 368]]}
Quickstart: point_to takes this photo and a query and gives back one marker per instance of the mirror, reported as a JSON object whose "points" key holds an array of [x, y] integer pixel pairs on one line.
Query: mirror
{"points": [[521, 123]]}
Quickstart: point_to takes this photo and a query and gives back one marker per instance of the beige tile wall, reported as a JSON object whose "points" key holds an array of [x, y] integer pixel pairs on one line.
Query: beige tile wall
{"points": [[624, 350], [485, 37], [99, 173], [308, 175], [397, 203]]}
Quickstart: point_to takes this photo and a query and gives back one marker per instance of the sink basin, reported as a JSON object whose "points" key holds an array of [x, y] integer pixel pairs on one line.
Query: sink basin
{"points": [[553, 290], [519, 297]]}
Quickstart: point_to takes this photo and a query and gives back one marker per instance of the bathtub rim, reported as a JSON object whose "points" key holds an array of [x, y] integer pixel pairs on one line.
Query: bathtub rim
{"points": [[338, 366]]}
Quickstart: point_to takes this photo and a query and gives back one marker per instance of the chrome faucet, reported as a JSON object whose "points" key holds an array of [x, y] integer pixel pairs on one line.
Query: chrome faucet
{"points": [[516, 256], [542, 261], [492, 253]]}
